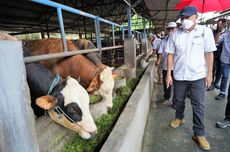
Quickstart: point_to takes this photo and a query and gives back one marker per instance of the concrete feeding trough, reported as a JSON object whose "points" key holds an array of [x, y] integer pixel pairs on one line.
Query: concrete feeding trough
{"points": [[97, 106], [129, 72], [119, 82], [126, 72]]}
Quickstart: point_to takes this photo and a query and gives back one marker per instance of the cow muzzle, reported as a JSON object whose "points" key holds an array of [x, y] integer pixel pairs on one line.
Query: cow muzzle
{"points": [[62, 120]]}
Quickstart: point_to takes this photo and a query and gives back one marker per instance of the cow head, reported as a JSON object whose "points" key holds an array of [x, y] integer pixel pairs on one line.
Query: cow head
{"points": [[107, 85], [74, 101]]}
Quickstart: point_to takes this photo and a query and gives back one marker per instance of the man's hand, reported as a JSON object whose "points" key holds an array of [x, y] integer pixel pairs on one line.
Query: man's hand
{"points": [[157, 63], [209, 62], [208, 81], [169, 80]]}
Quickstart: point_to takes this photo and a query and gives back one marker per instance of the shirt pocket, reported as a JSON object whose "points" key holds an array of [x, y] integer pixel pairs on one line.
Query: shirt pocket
{"points": [[180, 47], [198, 44], [197, 41]]}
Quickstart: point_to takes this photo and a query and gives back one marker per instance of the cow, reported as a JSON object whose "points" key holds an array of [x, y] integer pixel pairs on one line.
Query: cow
{"points": [[63, 96], [96, 79], [89, 75], [84, 44]]}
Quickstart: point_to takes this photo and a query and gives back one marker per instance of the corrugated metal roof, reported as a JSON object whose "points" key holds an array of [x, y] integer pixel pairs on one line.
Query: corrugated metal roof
{"points": [[162, 11], [26, 16]]}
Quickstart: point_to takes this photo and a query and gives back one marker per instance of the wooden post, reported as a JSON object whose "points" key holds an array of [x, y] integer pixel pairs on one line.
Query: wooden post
{"points": [[17, 129]]}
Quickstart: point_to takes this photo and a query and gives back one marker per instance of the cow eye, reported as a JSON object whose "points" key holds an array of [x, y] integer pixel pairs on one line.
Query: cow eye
{"points": [[73, 111]]}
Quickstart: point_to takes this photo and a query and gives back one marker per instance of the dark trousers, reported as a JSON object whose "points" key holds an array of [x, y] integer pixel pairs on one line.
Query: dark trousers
{"points": [[216, 68], [197, 91], [225, 68], [167, 91], [227, 111]]}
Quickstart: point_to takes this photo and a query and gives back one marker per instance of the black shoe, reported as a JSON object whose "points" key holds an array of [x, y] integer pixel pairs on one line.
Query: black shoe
{"points": [[221, 96], [216, 85], [223, 123]]}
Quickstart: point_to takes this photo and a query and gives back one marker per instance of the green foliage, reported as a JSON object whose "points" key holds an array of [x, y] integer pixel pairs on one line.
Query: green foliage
{"points": [[118, 78], [137, 23], [106, 122]]}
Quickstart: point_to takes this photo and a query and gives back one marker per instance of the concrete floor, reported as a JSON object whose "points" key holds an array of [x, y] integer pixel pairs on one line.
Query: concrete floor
{"points": [[159, 137]]}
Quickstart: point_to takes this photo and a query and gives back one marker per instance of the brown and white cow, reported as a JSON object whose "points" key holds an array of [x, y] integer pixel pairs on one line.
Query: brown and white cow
{"points": [[96, 79]]}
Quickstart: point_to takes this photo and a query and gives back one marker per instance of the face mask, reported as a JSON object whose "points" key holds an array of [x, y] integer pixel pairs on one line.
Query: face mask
{"points": [[186, 24]]}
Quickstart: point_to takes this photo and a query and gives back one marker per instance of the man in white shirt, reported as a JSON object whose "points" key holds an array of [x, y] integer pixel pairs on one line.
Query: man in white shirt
{"points": [[162, 55], [155, 42], [190, 51]]}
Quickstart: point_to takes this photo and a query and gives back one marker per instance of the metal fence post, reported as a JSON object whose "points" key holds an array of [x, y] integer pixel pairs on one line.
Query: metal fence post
{"points": [[98, 36], [123, 33], [129, 21], [61, 24], [113, 35], [144, 27]]}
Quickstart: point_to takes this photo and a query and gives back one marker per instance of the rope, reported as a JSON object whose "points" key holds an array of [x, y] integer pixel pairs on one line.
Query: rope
{"points": [[54, 83]]}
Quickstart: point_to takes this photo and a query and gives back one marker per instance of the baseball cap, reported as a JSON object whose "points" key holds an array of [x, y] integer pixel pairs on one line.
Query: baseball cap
{"points": [[188, 11], [171, 25]]}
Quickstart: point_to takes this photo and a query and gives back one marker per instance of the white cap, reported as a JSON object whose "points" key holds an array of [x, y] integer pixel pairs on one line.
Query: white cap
{"points": [[150, 35], [171, 25]]}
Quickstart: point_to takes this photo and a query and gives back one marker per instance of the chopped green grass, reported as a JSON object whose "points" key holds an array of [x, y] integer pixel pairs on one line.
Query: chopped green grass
{"points": [[118, 78], [106, 122], [94, 98]]}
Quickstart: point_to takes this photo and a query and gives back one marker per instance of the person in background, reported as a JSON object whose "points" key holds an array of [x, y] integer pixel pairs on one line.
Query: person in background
{"points": [[221, 24], [171, 27], [226, 121], [190, 51], [224, 42], [155, 45]]}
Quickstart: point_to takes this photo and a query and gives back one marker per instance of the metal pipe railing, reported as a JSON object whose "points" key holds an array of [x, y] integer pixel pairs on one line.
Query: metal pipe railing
{"points": [[72, 10], [69, 53], [61, 24], [97, 19]]}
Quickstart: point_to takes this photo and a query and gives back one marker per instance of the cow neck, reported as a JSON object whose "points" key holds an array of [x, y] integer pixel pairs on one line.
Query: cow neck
{"points": [[58, 87], [98, 71], [97, 77]]}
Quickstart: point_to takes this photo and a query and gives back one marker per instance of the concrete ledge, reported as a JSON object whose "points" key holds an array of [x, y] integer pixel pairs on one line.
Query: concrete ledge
{"points": [[128, 132]]}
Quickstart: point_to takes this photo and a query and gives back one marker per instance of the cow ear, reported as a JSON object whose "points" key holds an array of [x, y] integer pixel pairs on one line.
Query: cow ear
{"points": [[101, 77], [46, 102], [90, 89]]}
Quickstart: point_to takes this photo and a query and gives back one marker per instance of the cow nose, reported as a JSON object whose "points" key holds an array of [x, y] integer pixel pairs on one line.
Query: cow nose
{"points": [[109, 108], [93, 133]]}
